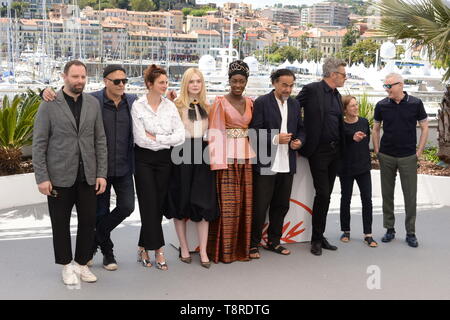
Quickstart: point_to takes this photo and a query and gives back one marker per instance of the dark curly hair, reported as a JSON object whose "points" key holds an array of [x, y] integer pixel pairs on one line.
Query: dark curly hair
{"points": [[152, 73]]}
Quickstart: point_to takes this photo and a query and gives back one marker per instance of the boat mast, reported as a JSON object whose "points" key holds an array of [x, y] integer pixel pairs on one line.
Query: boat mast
{"points": [[10, 40]]}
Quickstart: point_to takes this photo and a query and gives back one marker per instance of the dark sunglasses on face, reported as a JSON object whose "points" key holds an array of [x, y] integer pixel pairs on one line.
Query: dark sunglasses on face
{"points": [[117, 81], [388, 86]]}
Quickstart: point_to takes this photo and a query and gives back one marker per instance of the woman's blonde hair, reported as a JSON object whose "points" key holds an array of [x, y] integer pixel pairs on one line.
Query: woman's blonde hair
{"points": [[183, 100]]}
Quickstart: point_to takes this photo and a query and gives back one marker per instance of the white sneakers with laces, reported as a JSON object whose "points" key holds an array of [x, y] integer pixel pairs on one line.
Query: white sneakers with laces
{"points": [[68, 275], [85, 274]]}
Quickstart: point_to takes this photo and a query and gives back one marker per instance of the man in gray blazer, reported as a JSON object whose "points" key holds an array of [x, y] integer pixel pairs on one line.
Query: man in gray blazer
{"points": [[70, 164]]}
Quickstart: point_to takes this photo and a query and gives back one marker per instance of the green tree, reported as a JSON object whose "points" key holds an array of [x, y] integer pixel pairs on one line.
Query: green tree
{"points": [[143, 5], [364, 51], [121, 4], [314, 54], [427, 22], [283, 53], [186, 11], [16, 129], [104, 4], [350, 38], [17, 9], [399, 51]]}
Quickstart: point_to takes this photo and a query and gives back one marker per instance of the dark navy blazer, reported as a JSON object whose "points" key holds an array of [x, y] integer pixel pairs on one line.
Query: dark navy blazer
{"points": [[267, 115]]}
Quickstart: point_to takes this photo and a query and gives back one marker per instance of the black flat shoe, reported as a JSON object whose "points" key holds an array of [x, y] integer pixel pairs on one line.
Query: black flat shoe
{"points": [[389, 236], [412, 240], [327, 246], [316, 248]]}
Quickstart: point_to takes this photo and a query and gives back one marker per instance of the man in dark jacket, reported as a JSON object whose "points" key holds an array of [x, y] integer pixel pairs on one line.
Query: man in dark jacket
{"points": [[279, 133], [322, 107], [116, 106]]}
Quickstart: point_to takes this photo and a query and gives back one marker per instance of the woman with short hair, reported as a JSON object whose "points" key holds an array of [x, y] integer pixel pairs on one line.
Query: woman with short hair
{"points": [[356, 166], [230, 154], [157, 128]]}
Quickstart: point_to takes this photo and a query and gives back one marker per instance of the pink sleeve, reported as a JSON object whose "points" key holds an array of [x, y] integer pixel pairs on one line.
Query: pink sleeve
{"points": [[217, 136]]}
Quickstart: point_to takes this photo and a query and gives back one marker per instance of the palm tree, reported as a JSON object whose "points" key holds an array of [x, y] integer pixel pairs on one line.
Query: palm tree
{"points": [[16, 129], [427, 23]]}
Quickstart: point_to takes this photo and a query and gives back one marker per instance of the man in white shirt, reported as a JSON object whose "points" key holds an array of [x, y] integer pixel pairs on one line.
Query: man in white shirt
{"points": [[279, 133]]}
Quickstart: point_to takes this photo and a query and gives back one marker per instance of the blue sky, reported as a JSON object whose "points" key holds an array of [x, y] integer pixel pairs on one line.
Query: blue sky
{"points": [[262, 3]]}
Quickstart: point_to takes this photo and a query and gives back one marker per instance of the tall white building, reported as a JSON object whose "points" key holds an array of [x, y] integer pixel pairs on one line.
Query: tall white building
{"points": [[329, 14], [305, 17]]}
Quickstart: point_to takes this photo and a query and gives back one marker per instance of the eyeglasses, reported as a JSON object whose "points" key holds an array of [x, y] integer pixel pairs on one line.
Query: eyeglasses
{"points": [[342, 74], [388, 86], [117, 81]]}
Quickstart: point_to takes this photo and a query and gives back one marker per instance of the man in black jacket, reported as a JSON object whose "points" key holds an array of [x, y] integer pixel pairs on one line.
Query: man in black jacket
{"points": [[279, 133], [116, 106], [322, 109]]}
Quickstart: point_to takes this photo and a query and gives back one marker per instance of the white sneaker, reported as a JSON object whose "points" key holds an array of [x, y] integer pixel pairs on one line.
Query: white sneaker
{"points": [[90, 263], [69, 276], [85, 274]]}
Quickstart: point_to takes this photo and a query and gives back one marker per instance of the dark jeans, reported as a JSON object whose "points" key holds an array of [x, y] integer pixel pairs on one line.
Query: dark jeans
{"points": [[108, 220], [364, 182], [323, 164], [83, 197], [272, 191]]}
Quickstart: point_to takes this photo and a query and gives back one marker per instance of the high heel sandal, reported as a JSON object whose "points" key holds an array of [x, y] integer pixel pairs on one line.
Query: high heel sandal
{"points": [[183, 259], [161, 265], [145, 262], [206, 264]]}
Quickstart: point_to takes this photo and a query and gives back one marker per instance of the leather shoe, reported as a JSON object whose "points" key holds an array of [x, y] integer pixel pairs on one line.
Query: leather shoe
{"points": [[412, 240], [326, 245], [389, 236], [316, 248]]}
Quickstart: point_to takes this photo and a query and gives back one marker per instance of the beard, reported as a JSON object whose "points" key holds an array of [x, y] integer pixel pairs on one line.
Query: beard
{"points": [[75, 90], [284, 98]]}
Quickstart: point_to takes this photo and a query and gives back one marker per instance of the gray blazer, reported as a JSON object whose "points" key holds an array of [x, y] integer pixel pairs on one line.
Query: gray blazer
{"points": [[57, 143]]}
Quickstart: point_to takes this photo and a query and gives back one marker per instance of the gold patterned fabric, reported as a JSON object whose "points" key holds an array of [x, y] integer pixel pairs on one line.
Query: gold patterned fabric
{"points": [[237, 133]]}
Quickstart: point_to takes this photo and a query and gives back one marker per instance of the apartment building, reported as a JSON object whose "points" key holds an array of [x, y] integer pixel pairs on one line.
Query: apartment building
{"points": [[207, 39], [158, 46], [35, 8], [286, 16], [196, 23], [331, 42], [329, 14], [305, 17]]}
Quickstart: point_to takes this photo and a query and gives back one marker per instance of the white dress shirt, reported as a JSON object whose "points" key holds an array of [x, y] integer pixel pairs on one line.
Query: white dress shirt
{"points": [[165, 124], [281, 162]]}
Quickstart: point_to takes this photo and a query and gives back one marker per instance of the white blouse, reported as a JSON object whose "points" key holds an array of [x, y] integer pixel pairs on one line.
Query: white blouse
{"points": [[165, 124]]}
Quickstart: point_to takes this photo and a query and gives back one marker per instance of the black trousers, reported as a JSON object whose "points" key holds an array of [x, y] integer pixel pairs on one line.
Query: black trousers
{"points": [[272, 191], [108, 220], [323, 164], [365, 187], [60, 207], [152, 174]]}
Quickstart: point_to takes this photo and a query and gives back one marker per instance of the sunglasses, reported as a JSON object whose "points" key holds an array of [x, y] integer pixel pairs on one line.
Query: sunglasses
{"points": [[342, 74], [117, 81], [54, 193], [388, 86]]}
